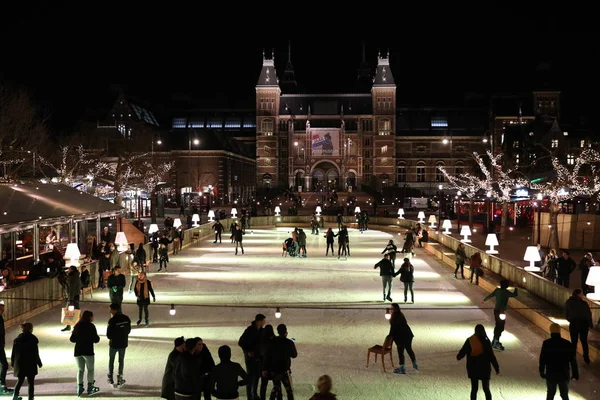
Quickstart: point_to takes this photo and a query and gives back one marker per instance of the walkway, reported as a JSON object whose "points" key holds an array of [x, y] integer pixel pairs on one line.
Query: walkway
{"points": [[333, 310]]}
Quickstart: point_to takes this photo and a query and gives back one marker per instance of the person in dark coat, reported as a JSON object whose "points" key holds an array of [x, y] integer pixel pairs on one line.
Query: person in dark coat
{"points": [[106, 236], [25, 359], [566, 265], [557, 363], [278, 362], [238, 237], [116, 283], [143, 290], [579, 315], [117, 332], [266, 338], [407, 276], [224, 378], [207, 363], [386, 272], [73, 291], [3, 361], [168, 386], [329, 239], [391, 249], [186, 372], [103, 265], [140, 255], [218, 228], [403, 336], [84, 336], [85, 277], [250, 344], [480, 359], [476, 264]]}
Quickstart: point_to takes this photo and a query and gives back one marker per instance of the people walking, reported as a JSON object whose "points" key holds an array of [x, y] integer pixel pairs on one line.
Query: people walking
{"points": [[238, 236], [579, 315], [461, 256], [143, 290], [565, 266], [4, 390], [278, 362], [84, 336], [391, 249], [218, 228], [557, 364], [163, 256], [117, 332], [480, 360], [476, 264], [250, 344], [324, 386], [168, 386], [407, 276], [224, 381], [501, 295], [116, 283], [25, 360], [329, 236], [134, 270], [403, 336], [73, 291], [386, 272]]}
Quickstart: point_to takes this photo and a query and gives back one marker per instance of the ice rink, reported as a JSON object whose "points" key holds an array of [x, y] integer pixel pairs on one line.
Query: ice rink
{"points": [[333, 310]]}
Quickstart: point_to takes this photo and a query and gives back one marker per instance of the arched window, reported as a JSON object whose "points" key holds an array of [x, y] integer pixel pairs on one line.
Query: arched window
{"points": [[266, 127], [421, 171], [266, 178], [459, 168], [384, 127], [401, 172], [439, 176]]}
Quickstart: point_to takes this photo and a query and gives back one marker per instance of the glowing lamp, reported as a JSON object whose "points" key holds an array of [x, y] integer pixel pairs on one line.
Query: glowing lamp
{"points": [[277, 313], [465, 231], [318, 210], [196, 217], [277, 211], [177, 223], [447, 225], [421, 217], [532, 255], [122, 242], [72, 253], [401, 213], [593, 279], [234, 212], [172, 311], [491, 240], [388, 315], [432, 220], [502, 316], [153, 228], [71, 307]]}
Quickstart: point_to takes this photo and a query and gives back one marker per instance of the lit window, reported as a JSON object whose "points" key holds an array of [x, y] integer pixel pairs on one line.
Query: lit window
{"points": [[565, 133], [439, 122], [267, 127], [384, 149], [516, 144], [517, 159], [554, 144], [571, 159], [582, 143], [384, 126]]}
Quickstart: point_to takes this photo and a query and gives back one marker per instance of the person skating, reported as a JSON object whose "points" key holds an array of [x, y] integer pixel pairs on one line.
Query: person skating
{"points": [[117, 332], [25, 360], [116, 283], [391, 249], [134, 270], [324, 386], [250, 344], [403, 336], [329, 239], [558, 364], [238, 236], [143, 290], [461, 256], [480, 359], [386, 272], [84, 336], [476, 264], [73, 291], [278, 362], [218, 228], [501, 295], [4, 390], [301, 244], [168, 386], [407, 276], [342, 236], [163, 256], [224, 382], [579, 315]]}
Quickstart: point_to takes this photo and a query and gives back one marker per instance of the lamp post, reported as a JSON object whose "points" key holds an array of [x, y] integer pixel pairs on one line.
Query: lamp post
{"points": [[196, 142], [458, 194], [440, 187], [539, 215]]}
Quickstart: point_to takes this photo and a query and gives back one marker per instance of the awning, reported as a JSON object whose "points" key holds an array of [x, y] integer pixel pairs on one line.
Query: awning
{"points": [[24, 204]]}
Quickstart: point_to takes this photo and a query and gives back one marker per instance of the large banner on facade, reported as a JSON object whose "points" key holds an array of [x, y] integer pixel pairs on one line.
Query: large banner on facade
{"points": [[325, 142]]}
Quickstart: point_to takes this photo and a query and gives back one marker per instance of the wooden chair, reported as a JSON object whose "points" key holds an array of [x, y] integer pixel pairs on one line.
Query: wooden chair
{"points": [[382, 351]]}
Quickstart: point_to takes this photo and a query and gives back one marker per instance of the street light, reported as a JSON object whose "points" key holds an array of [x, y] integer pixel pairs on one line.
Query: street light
{"points": [[441, 188]]}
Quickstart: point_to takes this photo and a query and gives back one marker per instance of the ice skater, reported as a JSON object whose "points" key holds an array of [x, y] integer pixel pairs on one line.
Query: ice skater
{"points": [[502, 295], [238, 236], [218, 228], [386, 271], [480, 356], [407, 272], [403, 336], [391, 249]]}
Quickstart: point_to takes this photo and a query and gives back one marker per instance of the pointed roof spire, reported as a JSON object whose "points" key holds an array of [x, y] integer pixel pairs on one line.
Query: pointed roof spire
{"points": [[268, 75], [289, 84], [364, 78], [383, 74]]}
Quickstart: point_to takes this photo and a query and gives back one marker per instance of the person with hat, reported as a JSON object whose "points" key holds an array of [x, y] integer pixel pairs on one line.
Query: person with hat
{"points": [[116, 283], [557, 363], [168, 385]]}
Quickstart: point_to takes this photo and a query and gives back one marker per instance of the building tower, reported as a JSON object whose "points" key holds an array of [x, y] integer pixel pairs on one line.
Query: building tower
{"points": [[267, 114], [384, 123], [288, 83]]}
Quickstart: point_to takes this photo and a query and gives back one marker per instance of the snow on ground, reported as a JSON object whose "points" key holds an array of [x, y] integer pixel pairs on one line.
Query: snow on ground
{"points": [[333, 310]]}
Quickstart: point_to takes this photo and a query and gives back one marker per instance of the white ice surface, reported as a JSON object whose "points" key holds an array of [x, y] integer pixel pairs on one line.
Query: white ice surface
{"points": [[332, 340]]}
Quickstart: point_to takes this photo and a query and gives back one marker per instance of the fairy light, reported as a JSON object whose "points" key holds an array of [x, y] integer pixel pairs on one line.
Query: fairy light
{"points": [[388, 314], [502, 316]]}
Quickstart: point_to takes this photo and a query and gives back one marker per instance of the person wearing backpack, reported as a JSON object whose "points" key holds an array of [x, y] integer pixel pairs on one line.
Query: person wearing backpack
{"points": [[406, 273]]}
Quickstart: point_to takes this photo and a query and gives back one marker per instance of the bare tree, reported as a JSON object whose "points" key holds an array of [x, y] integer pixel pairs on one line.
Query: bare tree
{"points": [[468, 184], [150, 176], [22, 132], [567, 184], [121, 171]]}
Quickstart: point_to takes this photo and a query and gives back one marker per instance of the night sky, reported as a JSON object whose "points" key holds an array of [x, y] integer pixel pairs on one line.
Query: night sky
{"points": [[68, 58]]}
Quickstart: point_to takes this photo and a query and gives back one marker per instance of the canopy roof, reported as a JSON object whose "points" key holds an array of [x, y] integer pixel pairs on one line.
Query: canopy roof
{"points": [[23, 204]]}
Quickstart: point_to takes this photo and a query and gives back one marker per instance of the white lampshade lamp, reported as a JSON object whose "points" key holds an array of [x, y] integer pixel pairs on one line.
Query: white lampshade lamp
{"points": [[177, 223], [72, 253], [277, 211], [196, 218], [465, 231], [211, 216], [432, 221], [318, 210], [357, 210], [421, 217], [122, 242], [401, 213], [532, 255], [153, 228], [234, 212], [447, 225], [491, 240], [593, 279]]}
